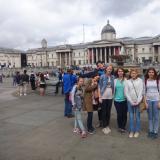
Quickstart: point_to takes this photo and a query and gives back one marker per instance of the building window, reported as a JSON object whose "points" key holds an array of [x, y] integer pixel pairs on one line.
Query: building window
{"points": [[79, 54], [143, 50], [150, 50], [74, 62], [79, 62]]}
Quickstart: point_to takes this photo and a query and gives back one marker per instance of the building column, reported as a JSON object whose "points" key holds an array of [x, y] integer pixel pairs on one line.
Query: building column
{"points": [[96, 54], [92, 60], [153, 54], [89, 62], [109, 54], [101, 54], [159, 54], [114, 51], [105, 55], [60, 58]]}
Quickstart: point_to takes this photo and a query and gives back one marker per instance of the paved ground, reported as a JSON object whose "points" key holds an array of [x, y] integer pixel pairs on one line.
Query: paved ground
{"points": [[33, 128]]}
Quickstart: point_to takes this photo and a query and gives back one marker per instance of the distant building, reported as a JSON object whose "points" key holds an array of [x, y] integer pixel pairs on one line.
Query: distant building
{"points": [[12, 58], [143, 49]]}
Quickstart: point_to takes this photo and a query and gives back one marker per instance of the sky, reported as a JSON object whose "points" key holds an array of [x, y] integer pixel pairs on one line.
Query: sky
{"points": [[24, 23]]}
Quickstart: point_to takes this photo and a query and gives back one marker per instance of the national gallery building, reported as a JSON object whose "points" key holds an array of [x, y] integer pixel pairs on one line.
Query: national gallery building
{"points": [[143, 49]]}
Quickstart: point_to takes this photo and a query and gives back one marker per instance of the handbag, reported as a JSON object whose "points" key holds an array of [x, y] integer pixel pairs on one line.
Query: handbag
{"points": [[142, 104]]}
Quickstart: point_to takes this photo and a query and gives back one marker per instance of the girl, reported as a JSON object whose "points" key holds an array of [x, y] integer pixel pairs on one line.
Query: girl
{"points": [[90, 87], [152, 98], [133, 92], [77, 102], [106, 86], [42, 84], [120, 101]]}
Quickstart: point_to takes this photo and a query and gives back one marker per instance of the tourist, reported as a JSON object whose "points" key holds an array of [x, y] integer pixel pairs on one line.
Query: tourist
{"points": [[67, 87], [77, 102], [134, 94], [89, 89], [120, 101], [42, 84], [32, 80], [24, 83], [152, 98], [106, 85]]}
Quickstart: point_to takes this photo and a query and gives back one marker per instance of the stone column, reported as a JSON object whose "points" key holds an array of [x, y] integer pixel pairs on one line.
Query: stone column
{"points": [[159, 54], [101, 54], [96, 54], [89, 62], [92, 56], [60, 59], [109, 54], [105, 55], [153, 54], [114, 51]]}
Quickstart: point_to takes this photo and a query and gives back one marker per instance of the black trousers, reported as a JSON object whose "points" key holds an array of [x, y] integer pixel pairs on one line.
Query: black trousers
{"points": [[121, 108], [89, 121], [106, 112], [33, 86]]}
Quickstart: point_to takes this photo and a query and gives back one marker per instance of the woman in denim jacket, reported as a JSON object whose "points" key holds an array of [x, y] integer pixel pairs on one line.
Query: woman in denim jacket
{"points": [[106, 86]]}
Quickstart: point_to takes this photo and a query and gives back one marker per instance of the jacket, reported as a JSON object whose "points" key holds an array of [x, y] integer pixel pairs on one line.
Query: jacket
{"points": [[103, 83], [88, 96], [67, 83]]}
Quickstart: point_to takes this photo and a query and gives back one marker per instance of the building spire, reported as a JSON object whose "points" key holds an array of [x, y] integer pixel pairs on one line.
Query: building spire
{"points": [[108, 21]]}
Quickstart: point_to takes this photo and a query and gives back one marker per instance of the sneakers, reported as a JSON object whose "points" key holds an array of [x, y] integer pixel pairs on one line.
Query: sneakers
{"points": [[91, 131], [76, 130], [131, 134], [136, 134], [83, 134], [106, 130]]}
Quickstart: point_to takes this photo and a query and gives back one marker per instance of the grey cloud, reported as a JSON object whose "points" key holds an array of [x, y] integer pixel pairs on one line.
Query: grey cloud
{"points": [[119, 8]]}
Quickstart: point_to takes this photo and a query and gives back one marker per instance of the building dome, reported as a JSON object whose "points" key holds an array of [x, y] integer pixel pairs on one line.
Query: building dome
{"points": [[44, 43], [108, 32]]}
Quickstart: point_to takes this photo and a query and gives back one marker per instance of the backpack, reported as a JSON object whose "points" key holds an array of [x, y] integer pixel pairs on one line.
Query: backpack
{"points": [[32, 77]]}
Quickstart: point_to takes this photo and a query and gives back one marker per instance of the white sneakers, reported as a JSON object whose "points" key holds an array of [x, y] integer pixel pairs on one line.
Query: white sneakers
{"points": [[106, 130], [135, 135]]}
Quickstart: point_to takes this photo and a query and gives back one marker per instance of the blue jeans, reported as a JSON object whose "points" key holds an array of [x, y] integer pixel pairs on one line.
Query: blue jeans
{"points": [[68, 106], [134, 123], [153, 116], [78, 123]]}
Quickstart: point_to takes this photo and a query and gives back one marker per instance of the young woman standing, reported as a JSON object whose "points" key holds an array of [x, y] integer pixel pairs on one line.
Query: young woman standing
{"points": [[134, 94], [120, 101], [152, 98]]}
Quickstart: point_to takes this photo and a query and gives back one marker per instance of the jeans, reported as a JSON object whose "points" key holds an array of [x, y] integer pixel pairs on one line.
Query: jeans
{"points": [[23, 88], [153, 116], [134, 123], [68, 106], [106, 111], [78, 123], [121, 108], [89, 121]]}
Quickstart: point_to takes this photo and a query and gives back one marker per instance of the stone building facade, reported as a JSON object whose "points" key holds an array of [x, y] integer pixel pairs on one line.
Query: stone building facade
{"points": [[143, 49]]}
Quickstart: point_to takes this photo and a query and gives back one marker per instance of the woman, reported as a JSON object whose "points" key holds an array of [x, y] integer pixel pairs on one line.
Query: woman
{"points": [[106, 86], [90, 87], [77, 102], [120, 101], [152, 98], [42, 84], [133, 93]]}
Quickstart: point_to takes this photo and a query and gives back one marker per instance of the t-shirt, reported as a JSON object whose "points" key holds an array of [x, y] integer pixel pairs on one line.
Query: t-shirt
{"points": [[108, 94], [119, 91], [152, 90]]}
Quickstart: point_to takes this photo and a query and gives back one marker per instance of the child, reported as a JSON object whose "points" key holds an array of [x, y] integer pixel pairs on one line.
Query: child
{"points": [[77, 102]]}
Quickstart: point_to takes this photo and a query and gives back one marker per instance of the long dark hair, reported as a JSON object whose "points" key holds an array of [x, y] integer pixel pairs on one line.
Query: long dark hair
{"points": [[155, 73], [42, 77], [116, 73]]}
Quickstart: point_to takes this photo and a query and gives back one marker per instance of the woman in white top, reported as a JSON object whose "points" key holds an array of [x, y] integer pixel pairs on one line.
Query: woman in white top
{"points": [[134, 92], [152, 98]]}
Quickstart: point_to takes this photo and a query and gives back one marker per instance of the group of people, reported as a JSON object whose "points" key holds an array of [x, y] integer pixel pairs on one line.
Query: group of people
{"points": [[99, 89], [35, 80]]}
